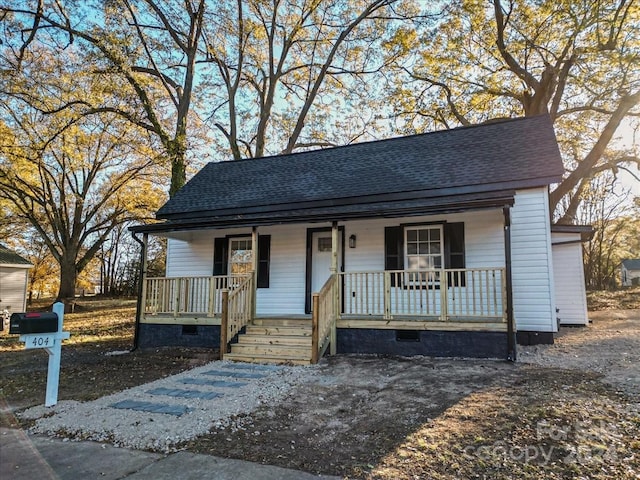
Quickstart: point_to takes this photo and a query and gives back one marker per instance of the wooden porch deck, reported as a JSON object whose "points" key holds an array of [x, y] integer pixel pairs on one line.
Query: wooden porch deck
{"points": [[446, 300]]}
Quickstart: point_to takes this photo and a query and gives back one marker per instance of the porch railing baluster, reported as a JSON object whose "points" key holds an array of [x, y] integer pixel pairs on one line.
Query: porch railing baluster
{"points": [[467, 294]]}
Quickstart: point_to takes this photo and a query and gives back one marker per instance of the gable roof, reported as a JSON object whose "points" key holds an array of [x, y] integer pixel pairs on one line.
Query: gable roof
{"points": [[433, 172], [631, 263], [9, 257]]}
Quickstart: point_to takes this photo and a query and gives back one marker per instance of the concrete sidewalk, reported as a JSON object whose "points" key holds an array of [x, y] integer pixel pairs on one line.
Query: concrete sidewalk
{"points": [[26, 457]]}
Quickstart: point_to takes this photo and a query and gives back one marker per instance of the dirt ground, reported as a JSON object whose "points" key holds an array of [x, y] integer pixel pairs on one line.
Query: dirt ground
{"points": [[564, 411]]}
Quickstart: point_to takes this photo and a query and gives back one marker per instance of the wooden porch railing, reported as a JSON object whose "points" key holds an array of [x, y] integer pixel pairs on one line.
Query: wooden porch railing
{"points": [[187, 295], [441, 295], [324, 316], [237, 311]]}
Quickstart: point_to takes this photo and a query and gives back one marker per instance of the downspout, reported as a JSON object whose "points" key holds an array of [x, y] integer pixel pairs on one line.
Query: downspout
{"points": [[141, 279], [511, 335], [254, 267]]}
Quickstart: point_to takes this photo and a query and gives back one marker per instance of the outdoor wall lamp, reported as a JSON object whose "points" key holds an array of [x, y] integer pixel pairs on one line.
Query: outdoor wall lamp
{"points": [[352, 241]]}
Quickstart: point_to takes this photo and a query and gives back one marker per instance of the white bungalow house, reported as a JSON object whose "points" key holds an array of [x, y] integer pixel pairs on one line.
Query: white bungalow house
{"points": [[14, 275], [630, 272], [435, 244]]}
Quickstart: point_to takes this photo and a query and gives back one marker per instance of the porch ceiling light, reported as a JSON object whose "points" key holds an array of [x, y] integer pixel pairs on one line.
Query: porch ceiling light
{"points": [[352, 241]]}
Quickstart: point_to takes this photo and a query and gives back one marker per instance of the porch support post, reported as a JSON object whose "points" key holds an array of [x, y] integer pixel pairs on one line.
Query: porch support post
{"points": [[254, 268], [315, 341], [176, 296], [334, 248], [224, 322], [444, 296], [511, 335], [334, 274], [142, 287], [143, 275]]}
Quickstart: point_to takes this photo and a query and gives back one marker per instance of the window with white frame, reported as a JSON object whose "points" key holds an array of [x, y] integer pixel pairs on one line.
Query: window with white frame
{"points": [[424, 252], [240, 255]]}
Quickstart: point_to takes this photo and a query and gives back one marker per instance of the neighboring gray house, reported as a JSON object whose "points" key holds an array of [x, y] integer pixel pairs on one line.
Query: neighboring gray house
{"points": [[436, 244], [630, 272], [14, 275]]}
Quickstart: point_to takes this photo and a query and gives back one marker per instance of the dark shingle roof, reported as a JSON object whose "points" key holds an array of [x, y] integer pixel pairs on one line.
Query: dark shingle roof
{"points": [[9, 257], [632, 263], [494, 157]]}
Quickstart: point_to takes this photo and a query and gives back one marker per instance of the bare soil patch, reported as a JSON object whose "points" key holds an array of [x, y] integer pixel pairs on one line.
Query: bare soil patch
{"points": [[419, 418]]}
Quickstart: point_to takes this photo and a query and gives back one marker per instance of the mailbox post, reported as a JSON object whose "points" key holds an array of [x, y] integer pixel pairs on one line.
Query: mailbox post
{"points": [[44, 331]]}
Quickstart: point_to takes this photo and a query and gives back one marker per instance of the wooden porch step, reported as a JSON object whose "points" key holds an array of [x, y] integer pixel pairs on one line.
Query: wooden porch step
{"points": [[283, 350], [283, 322], [275, 339], [270, 359], [278, 331]]}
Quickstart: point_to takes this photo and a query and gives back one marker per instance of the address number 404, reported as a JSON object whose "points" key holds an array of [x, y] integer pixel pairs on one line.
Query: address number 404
{"points": [[40, 341]]}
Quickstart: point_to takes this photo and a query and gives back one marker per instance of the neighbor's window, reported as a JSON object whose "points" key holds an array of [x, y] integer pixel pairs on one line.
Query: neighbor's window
{"points": [[424, 251], [240, 255]]}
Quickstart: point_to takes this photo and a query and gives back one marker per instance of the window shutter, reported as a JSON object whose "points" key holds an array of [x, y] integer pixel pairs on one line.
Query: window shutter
{"points": [[220, 248], [454, 251], [264, 254], [393, 250]]}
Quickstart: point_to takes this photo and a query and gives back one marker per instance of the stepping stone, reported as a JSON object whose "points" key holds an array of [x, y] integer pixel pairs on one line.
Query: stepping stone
{"points": [[213, 383], [150, 407], [176, 392], [244, 366], [220, 373]]}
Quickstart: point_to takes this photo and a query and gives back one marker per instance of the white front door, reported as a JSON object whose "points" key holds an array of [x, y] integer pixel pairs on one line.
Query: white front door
{"points": [[321, 258]]}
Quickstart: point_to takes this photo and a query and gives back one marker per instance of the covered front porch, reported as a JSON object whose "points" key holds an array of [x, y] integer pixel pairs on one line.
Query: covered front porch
{"points": [[472, 299]]}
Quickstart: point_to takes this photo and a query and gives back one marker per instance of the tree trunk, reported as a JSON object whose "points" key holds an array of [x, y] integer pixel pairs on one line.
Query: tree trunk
{"points": [[68, 276], [178, 171]]}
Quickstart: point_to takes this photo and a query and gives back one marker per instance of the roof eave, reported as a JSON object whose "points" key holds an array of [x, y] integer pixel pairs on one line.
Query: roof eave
{"points": [[336, 202], [25, 266], [235, 221]]}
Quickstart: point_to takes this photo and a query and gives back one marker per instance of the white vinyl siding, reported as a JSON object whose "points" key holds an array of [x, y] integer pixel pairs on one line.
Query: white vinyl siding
{"points": [[532, 271], [484, 247], [484, 244], [628, 276], [190, 258], [192, 253], [571, 299], [483, 234], [287, 275], [13, 289]]}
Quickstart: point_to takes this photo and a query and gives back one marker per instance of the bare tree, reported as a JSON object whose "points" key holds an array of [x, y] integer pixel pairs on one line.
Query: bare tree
{"points": [[147, 49], [74, 187], [575, 61]]}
